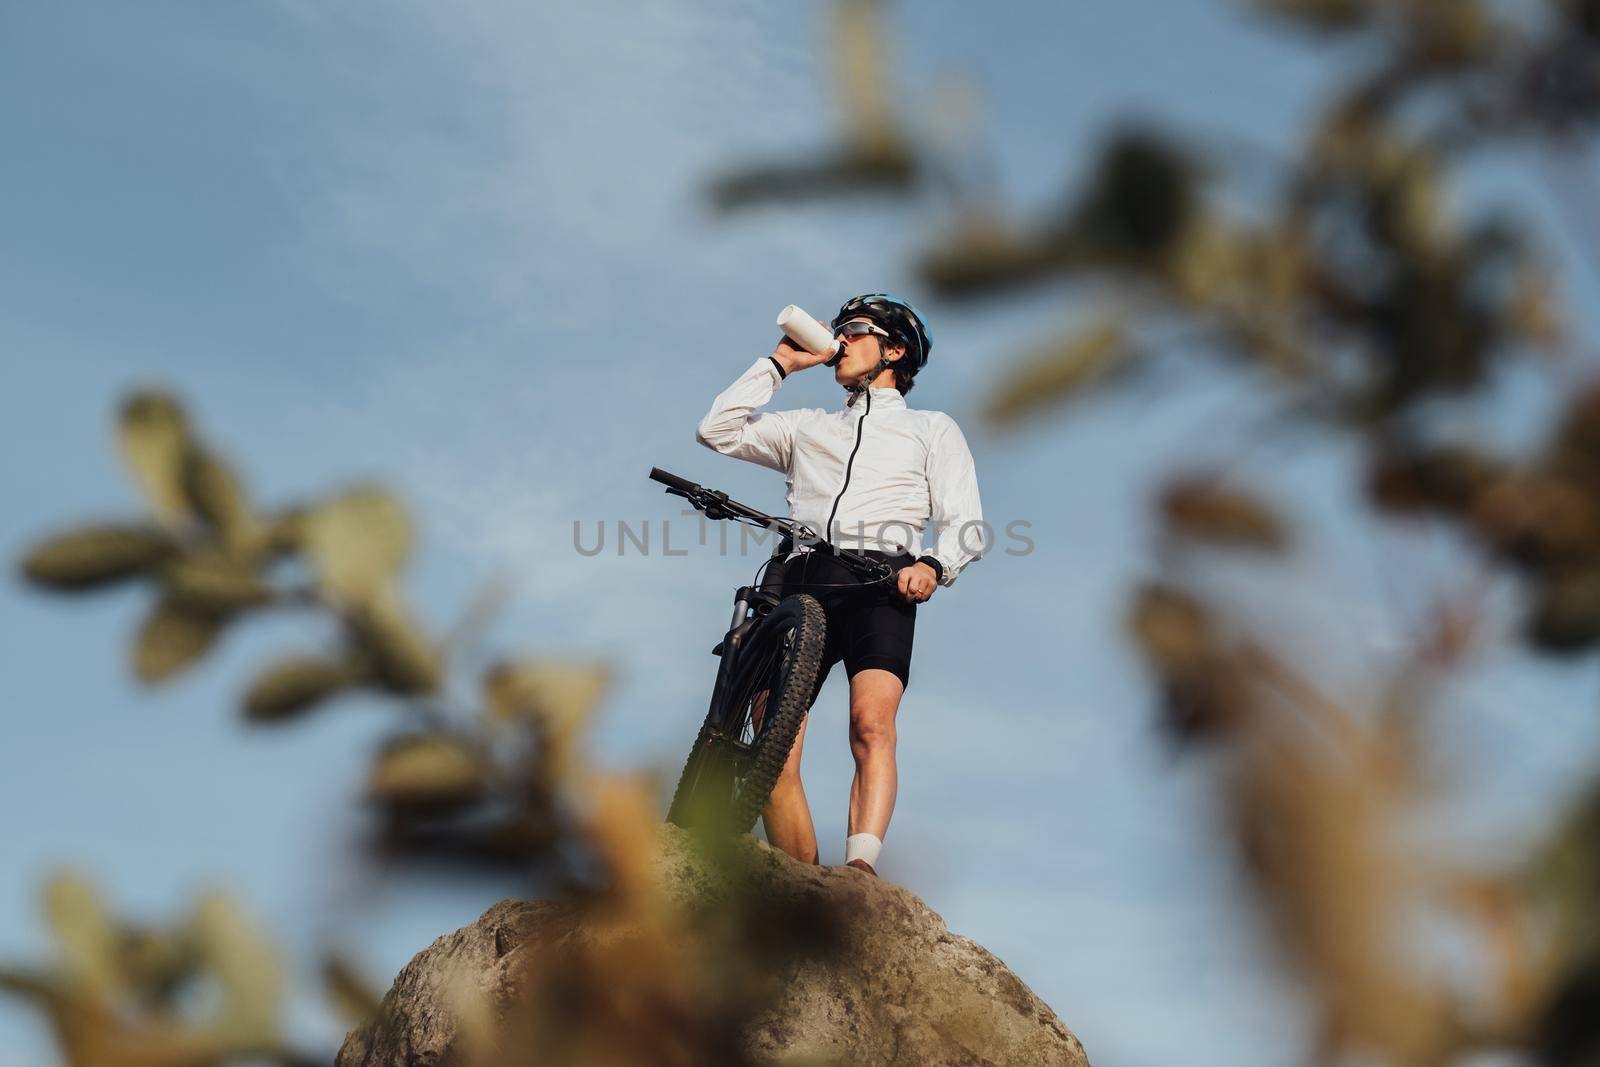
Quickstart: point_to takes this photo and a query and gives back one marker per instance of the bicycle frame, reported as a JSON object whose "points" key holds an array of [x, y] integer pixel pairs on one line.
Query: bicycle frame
{"points": [[751, 604], [770, 667]]}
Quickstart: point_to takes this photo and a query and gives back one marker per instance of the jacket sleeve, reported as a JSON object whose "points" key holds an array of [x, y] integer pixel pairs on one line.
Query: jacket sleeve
{"points": [[956, 511], [734, 428]]}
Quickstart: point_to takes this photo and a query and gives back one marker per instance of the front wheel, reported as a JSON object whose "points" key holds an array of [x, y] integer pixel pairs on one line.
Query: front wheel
{"points": [[746, 739]]}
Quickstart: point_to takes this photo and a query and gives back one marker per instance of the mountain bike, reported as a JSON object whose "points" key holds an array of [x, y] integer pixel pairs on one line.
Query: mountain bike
{"points": [[771, 662]]}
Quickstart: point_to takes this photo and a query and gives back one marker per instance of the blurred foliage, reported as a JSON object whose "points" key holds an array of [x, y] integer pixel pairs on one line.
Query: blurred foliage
{"points": [[497, 781], [1348, 277], [123, 994], [475, 783], [1358, 291], [874, 155], [649, 981]]}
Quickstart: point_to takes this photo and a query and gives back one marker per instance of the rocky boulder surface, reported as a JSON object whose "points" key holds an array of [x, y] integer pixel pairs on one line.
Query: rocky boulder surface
{"points": [[906, 990]]}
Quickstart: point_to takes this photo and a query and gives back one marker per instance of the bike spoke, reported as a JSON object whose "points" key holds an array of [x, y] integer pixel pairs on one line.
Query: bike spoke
{"points": [[763, 680], [759, 709]]}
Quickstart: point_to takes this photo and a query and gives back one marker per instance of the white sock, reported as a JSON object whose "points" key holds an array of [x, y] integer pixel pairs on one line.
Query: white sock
{"points": [[863, 847]]}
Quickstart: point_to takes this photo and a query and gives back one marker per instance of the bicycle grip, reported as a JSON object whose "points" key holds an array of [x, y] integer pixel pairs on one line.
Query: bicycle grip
{"points": [[681, 484]]}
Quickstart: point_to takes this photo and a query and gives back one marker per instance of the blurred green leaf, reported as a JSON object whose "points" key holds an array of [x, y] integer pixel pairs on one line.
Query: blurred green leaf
{"points": [[1204, 511], [1143, 198], [156, 961], [91, 557], [85, 934], [154, 434], [546, 689], [217, 496], [29, 984], [560, 698], [1452, 35], [1574, 449], [863, 52], [1447, 479], [1058, 372], [357, 542], [1322, 14], [874, 156], [837, 172], [427, 773], [403, 659], [984, 256], [354, 996], [284, 533], [242, 957], [1172, 628], [173, 638], [1406, 206], [212, 582], [1564, 874], [1565, 616], [295, 685], [1537, 519], [1201, 690]]}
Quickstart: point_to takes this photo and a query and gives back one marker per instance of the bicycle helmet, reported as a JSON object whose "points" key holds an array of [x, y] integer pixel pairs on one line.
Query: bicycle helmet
{"points": [[903, 322]]}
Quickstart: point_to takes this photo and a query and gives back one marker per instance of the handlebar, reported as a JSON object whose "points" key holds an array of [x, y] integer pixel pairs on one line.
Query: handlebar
{"points": [[716, 505], [714, 502], [681, 484]]}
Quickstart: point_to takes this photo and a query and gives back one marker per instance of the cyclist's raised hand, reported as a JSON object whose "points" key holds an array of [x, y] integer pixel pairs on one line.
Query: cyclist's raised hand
{"points": [[791, 357], [917, 582]]}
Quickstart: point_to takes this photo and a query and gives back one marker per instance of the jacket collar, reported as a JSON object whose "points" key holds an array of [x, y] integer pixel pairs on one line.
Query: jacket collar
{"points": [[887, 399]]}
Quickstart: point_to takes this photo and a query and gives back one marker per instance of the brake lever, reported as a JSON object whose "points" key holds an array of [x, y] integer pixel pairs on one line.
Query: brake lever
{"points": [[713, 504]]}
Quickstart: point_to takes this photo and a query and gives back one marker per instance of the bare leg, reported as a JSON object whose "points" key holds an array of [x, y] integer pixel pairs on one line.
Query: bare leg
{"points": [[787, 816], [874, 700]]}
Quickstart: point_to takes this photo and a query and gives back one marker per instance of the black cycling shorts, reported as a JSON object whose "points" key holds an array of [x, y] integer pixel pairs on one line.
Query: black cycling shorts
{"points": [[868, 625]]}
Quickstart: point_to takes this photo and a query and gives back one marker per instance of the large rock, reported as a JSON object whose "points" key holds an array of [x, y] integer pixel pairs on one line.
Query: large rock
{"points": [[906, 990]]}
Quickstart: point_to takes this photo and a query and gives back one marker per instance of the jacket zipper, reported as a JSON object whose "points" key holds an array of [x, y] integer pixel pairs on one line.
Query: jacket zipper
{"points": [[849, 464]]}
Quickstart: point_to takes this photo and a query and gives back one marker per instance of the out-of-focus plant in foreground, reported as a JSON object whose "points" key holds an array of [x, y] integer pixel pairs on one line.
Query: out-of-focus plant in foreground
{"points": [[500, 778], [1344, 272], [474, 778], [122, 994]]}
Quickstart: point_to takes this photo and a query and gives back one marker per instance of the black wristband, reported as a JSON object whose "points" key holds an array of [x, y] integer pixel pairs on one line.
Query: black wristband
{"points": [[782, 374], [938, 569]]}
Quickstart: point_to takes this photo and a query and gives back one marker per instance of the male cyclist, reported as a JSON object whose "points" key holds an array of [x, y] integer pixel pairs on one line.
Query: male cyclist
{"points": [[868, 476]]}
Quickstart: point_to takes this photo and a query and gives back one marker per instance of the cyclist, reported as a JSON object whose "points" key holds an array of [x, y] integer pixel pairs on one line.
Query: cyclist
{"points": [[868, 476]]}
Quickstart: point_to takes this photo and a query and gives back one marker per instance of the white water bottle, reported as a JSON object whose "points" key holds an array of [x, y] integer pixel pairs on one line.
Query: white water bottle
{"points": [[807, 332]]}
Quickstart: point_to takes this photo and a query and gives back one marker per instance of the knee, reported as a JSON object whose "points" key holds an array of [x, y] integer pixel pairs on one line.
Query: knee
{"points": [[871, 734]]}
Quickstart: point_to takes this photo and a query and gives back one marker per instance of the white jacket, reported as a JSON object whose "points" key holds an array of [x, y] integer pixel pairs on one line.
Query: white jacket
{"points": [[908, 467]]}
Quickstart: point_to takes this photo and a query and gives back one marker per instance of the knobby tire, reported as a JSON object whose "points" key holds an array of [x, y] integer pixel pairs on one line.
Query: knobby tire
{"points": [[707, 781]]}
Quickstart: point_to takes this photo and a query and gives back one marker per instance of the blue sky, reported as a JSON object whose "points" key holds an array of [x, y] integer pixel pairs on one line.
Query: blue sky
{"points": [[464, 249]]}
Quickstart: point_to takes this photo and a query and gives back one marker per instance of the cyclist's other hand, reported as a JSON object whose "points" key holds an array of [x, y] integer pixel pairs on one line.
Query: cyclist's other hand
{"points": [[791, 357], [917, 582]]}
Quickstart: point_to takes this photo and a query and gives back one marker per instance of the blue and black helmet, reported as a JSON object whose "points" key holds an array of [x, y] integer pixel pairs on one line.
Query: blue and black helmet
{"points": [[903, 322]]}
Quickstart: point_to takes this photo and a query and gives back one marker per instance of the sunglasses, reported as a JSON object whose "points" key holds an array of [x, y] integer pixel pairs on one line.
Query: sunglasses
{"points": [[859, 328]]}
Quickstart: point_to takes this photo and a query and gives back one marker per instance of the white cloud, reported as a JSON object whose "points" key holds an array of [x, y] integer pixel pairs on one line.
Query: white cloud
{"points": [[553, 153]]}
